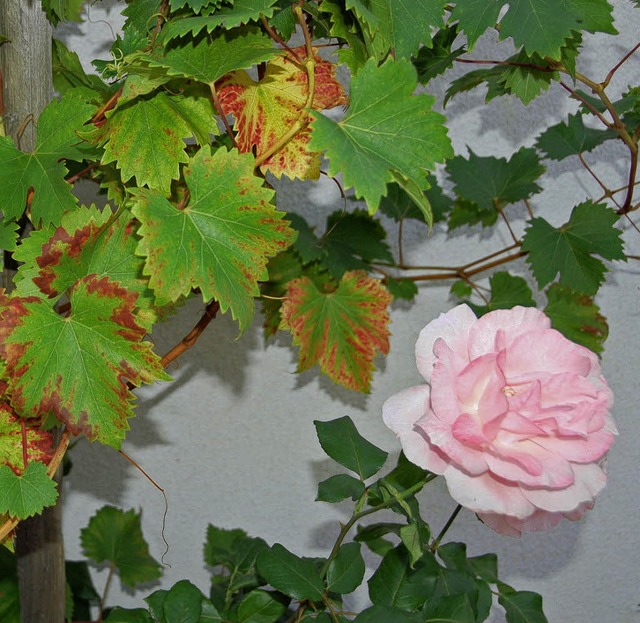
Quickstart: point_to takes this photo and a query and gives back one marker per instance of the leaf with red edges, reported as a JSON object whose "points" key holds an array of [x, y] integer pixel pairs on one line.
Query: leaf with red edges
{"points": [[343, 330], [80, 366], [39, 443], [267, 109]]}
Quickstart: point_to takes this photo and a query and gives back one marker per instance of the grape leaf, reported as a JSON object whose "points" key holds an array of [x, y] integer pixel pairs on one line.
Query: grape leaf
{"points": [[527, 77], [475, 16], [208, 60], [78, 366], [577, 317], [354, 53], [25, 495], [507, 291], [404, 289], [139, 14], [63, 10], [569, 250], [241, 12], [39, 442], [8, 235], [491, 182], [220, 241], [43, 170], [573, 137], [267, 109], [68, 72], [342, 331], [144, 137], [435, 60], [115, 536], [388, 134]]}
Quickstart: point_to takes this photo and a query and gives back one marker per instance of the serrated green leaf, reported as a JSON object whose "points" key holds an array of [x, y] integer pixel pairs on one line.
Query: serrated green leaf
{"points": [[339, 487], [469, 213], [208, 60], [354, 54], [389, 134], [145, 138], [571, 138], [404, 289], [294, 576], [15, 441], [341, 441], [27, 494], [577, 317], [63, 10], [68, 72], [115, 536], [461, 289], [569, 250], [475, 17], [140, 14], [507, 291], [521, 606], [341, 330], [43, 171], [260, 607], [526, 76], [241, 12], [8, 235], [346, 570], [493, 182], [436, 59], [79, 366], [229, 224], [182, 603]]}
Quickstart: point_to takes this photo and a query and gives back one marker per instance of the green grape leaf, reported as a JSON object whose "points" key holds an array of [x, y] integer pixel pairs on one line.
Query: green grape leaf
{"points": [[68, 72], [435, 60], [141, 14], [475, 17], [63, 10], [294, 576], [209, 60], [571, 138], [521, 606], [229, 225], [195, 5], [492, 183], [260, 607], [115, 536], [42, 171], [354, 54], [353, 241], [399, 205], [469, 213], [144, 137], [461, 289], [79, 366], [405, 289], [346, 570], [341, 441], [389, 134], [27, 494], [241, 12], [338, 488], [526, 78], [577, 317], [569, 250], [8, 235], [343, 330], [507, 291], [39, 443]]}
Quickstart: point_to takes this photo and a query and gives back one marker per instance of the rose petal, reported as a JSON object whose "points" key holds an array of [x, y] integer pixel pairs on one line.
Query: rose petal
{"points": [[510, 526], [452, 327], [400, 413]]}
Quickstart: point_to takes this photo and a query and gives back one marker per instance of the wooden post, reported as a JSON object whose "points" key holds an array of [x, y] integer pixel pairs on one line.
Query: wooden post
{"points": [[25, 61]]}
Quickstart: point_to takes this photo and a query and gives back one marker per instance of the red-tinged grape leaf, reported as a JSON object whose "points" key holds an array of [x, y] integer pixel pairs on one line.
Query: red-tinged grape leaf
{"points": [[80, 366], [389, 134], [39, 442], [220, 241], [27, 494], [267, 109], [44, 170], [342, 331], [144, 137]]}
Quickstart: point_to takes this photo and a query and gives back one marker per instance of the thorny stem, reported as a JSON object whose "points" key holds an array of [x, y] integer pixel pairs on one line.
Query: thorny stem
{"points": [[310, 67], [438, 539]]}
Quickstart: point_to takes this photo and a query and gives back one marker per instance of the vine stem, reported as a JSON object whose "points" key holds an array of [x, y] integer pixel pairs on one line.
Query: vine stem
{"points": [[105, 592], [445, 529], [218, 106]]}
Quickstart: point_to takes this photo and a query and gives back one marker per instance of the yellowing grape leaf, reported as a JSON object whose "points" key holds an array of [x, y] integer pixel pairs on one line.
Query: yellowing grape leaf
{"points": [[343, 330], [39, 443], [220, 241], [266, 110], [79, 366]]}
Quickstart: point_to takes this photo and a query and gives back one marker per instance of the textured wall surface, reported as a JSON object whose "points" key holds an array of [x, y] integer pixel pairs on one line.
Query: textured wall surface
{"points": [[231, 440]]}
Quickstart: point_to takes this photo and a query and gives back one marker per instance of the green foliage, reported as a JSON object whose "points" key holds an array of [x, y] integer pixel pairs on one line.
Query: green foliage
{"points": [[27, 494], [115, 536]]}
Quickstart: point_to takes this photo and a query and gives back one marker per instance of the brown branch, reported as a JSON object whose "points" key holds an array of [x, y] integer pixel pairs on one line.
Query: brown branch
{"points": [[605, 83], [280, 41], [218, 106], [192, 337]]}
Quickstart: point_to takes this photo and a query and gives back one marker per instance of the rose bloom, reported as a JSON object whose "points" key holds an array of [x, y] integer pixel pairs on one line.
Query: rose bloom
{"points": [[514, 415]]}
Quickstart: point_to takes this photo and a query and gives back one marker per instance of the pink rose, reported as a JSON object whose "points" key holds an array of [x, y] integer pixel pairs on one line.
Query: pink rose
{"points": [[515, 416]]}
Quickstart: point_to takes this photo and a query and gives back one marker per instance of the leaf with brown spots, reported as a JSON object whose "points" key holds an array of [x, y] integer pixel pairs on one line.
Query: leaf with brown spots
{"points": [[343, 330], [79, 367], [220, 241], [267, 109]]}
